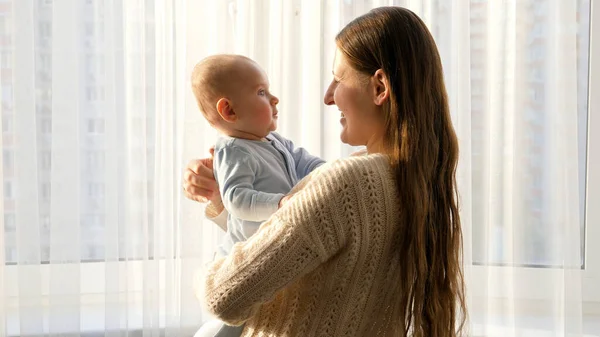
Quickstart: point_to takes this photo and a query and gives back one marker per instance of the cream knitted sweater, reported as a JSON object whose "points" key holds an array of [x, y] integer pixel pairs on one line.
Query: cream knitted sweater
{"points": [[323, 265]]}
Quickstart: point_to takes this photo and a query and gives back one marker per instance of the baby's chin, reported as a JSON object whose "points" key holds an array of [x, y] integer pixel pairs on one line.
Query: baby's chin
{"points": [[273, 126], [268, 131]]}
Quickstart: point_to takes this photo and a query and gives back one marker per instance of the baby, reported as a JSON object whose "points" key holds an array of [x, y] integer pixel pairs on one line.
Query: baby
{"points": [[254, 166]]}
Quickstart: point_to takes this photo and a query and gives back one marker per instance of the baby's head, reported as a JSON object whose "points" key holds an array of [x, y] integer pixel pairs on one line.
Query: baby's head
{"points": [[232, 92]]}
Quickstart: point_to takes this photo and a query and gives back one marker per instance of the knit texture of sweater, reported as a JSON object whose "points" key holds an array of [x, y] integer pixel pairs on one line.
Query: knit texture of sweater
{"points": [[325, 264]]}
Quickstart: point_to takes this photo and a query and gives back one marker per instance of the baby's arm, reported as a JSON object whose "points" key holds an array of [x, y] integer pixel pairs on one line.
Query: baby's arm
{"points": [[305, 162], [236, 169]]}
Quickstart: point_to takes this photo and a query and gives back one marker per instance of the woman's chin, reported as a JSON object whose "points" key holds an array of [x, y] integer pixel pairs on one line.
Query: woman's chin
{"points": [[343, 137], [346, 139], [351, 142]]}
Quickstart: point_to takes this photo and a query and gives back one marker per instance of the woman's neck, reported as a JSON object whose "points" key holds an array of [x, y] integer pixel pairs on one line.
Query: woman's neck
{"points": [[376, 145]]}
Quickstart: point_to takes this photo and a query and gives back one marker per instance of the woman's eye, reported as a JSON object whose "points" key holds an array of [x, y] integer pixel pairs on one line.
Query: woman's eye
{"points": [[261, 92]]}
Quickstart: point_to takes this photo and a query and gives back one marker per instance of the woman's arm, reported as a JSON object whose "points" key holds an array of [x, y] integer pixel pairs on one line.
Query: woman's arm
{"points": [[216, 212], [306, 232]]}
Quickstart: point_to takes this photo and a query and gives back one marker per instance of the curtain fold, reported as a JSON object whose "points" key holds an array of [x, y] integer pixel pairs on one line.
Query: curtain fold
{"points": [[98, 122]]}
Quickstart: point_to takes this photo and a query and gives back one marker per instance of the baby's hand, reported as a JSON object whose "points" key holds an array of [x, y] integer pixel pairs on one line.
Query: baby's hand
{"points": [[284, 200]]}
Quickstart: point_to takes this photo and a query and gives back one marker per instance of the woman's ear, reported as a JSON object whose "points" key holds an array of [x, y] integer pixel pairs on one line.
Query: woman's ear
{"points": [[381, 87], [225, 110]]}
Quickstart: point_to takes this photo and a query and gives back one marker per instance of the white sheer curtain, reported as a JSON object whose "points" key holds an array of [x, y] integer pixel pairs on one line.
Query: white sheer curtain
{"points": [[98, 122], [94, 238]]}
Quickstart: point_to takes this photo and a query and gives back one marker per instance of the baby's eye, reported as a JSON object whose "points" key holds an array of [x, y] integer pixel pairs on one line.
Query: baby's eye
{"points": [[262, 92]]}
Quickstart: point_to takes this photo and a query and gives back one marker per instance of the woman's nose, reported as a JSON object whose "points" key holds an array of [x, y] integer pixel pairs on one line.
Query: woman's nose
{"points": [[328, 99], [274, 100]]}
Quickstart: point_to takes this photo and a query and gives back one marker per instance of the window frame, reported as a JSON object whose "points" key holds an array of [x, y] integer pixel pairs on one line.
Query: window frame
{"points": [[591, 274]]}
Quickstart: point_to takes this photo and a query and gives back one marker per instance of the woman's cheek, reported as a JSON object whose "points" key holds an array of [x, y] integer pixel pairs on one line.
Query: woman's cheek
{"points": [[338, 96]]}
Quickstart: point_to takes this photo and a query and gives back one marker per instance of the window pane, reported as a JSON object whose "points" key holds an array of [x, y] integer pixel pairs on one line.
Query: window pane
{"points": [[519, 197]]}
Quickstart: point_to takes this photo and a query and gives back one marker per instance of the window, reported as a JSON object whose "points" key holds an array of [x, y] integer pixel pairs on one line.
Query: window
{"points": [[537, 74], [90, 94], [46, 160], [43, 109], [538, 29], [94, 221], [5, 26], [137, 94], [45, 191], [45, 29], [536, 94], [90, 67], [7, 159], [96, 190], [9, 223], [95, 160], [6, 61], [90, 189], [45, 222], [10, 254], [7, 93], [95, 126], [535, 261], [8, 190], [45, 62], [533, 53], [89, 29], [94, 94], [6, 123], [44, 94], [46, 126], [477, 44]]}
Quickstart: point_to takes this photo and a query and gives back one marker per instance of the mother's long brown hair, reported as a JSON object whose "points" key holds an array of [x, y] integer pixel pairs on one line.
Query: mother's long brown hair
{"points": [[424, 151]]}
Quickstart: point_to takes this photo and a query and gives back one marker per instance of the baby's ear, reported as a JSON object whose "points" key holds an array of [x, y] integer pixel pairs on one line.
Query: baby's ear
{"points": [[225, 110]]}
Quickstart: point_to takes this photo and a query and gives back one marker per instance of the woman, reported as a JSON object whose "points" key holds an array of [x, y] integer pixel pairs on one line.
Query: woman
{"points": [[369, 245]]}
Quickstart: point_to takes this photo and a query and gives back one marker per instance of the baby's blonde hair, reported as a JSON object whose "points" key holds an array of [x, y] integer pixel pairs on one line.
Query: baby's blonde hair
{"points": [[210, 79]]}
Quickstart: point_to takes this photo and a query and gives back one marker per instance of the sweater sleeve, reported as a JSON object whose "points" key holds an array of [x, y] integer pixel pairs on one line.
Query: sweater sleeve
{"points": [[305, 162], [216, 215], [236, 170], [306, 232]]}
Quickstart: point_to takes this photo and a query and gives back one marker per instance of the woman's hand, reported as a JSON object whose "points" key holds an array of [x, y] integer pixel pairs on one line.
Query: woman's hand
{"points": [[199, 181]]}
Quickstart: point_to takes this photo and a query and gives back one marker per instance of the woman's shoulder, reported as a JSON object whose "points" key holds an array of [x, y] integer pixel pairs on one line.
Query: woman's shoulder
{"points": [[356, 168], [361, 163], [352, 170]]}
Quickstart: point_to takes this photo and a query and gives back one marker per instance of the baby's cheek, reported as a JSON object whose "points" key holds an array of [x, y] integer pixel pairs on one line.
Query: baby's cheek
{"points": [[266, 116]]}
